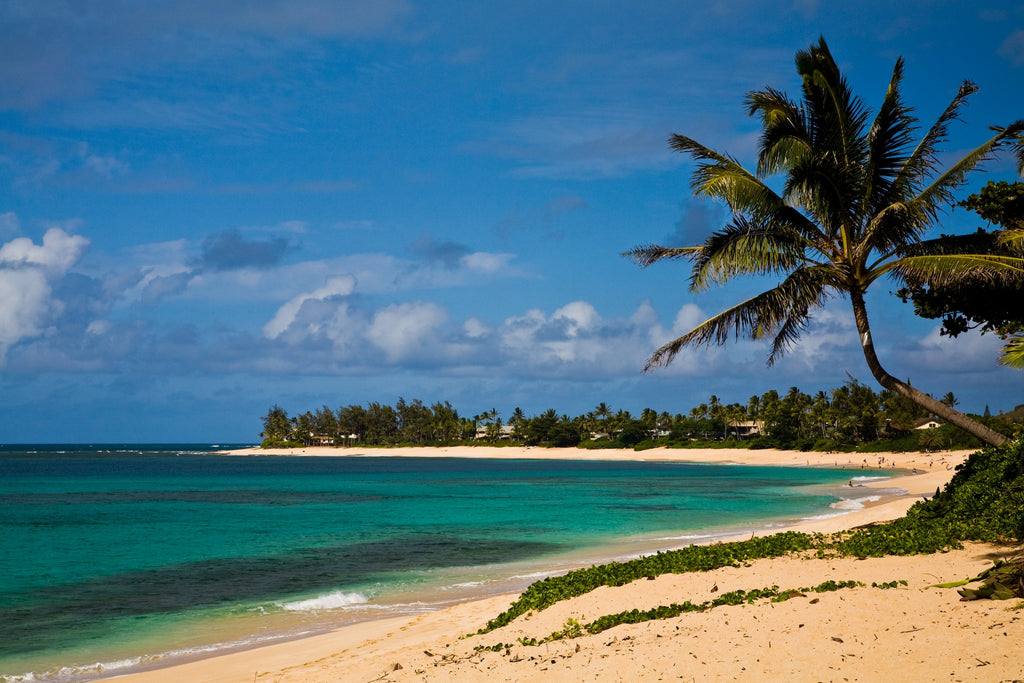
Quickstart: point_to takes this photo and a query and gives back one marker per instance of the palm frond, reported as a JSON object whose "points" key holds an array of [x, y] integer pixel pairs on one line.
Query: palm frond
{"points": [[889, 138], [940, 192], [1013, 352], [978, 242], [646, 254], [893, 228], [835, 115], [785, 137], [781, 312], [950, 269], [745, 247], [821, 187], [828, 182], [923, 161], [1013, 239], [721, 176]]}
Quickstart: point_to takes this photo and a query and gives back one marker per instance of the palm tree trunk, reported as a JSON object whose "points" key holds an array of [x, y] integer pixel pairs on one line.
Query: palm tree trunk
{"points": [[947, 413]]}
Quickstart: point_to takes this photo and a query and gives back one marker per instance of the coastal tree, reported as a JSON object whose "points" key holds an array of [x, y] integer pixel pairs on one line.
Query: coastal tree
{"points": [[276, 425], [445, 425], [982, 293], [325, 423], [857, 197]]}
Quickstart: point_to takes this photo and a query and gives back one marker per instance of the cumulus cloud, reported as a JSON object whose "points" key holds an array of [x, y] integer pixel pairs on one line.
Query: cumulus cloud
{"points": [[576, 340], [25, 303], [572, 341], [338, 286], [27, 270], [406, 330], [59, 251]]}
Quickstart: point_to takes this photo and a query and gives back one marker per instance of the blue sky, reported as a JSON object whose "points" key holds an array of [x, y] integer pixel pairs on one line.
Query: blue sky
{"points": [[210, 207]]}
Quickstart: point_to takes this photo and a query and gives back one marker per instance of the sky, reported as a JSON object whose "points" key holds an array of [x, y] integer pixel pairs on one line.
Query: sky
{"points": [[207, 208]]}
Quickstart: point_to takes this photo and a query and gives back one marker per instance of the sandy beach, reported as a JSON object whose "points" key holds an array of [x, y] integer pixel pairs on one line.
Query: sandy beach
{"points": [[913, 632]]}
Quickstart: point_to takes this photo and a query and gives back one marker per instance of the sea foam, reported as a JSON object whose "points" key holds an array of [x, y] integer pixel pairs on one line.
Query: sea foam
{"points": [[854, 503], [333, 600]]}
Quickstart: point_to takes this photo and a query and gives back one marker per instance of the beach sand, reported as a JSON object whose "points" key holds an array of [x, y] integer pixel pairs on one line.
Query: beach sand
{"points": [[909, 633]]}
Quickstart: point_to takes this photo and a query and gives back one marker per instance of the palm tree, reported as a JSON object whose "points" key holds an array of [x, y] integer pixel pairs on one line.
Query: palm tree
{"points": [[858, 195]]}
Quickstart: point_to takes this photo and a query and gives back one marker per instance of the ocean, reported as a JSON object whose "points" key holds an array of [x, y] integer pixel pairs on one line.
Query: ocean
{"points": [[121, 558]]}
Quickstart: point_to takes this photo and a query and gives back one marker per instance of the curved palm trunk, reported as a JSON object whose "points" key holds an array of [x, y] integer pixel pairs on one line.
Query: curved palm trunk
{"points": [[952, 416]]}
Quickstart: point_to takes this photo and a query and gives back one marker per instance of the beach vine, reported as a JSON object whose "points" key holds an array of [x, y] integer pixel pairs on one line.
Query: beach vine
{"points": [[983, 502]]}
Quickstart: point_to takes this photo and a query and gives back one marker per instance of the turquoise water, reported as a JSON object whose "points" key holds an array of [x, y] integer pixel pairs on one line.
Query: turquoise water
{"points": [[115, 559]]}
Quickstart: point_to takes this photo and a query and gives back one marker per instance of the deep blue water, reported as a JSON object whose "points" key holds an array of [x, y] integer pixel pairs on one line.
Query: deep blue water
{"points": [[121, 554]]}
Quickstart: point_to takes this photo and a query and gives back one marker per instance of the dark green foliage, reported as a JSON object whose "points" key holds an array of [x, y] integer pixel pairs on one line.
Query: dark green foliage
{"points": [[547, 592], [983, 502], [497, 647], [573, 629], [632, 433], [979, 303], [276, 425], [280, 443], [851, 417]]}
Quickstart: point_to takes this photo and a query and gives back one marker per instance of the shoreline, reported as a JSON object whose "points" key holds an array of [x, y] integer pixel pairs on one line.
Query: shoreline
{"points": [[358, 648]]}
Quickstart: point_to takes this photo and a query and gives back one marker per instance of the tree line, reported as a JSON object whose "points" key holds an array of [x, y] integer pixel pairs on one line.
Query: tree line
{"points": [[847, 417]]}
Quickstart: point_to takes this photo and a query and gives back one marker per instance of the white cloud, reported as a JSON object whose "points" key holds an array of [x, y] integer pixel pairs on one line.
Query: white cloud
{"points": [[402, 329], [26, 300], [577, 340], [484, 262], [58, 251], [580, 315], [476, 328], [337, 286]]}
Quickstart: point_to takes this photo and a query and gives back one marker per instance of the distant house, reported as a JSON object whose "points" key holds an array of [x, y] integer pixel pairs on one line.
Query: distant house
{"points": [[504, 432], [744, 430], [895, 429], [927, 423]]}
